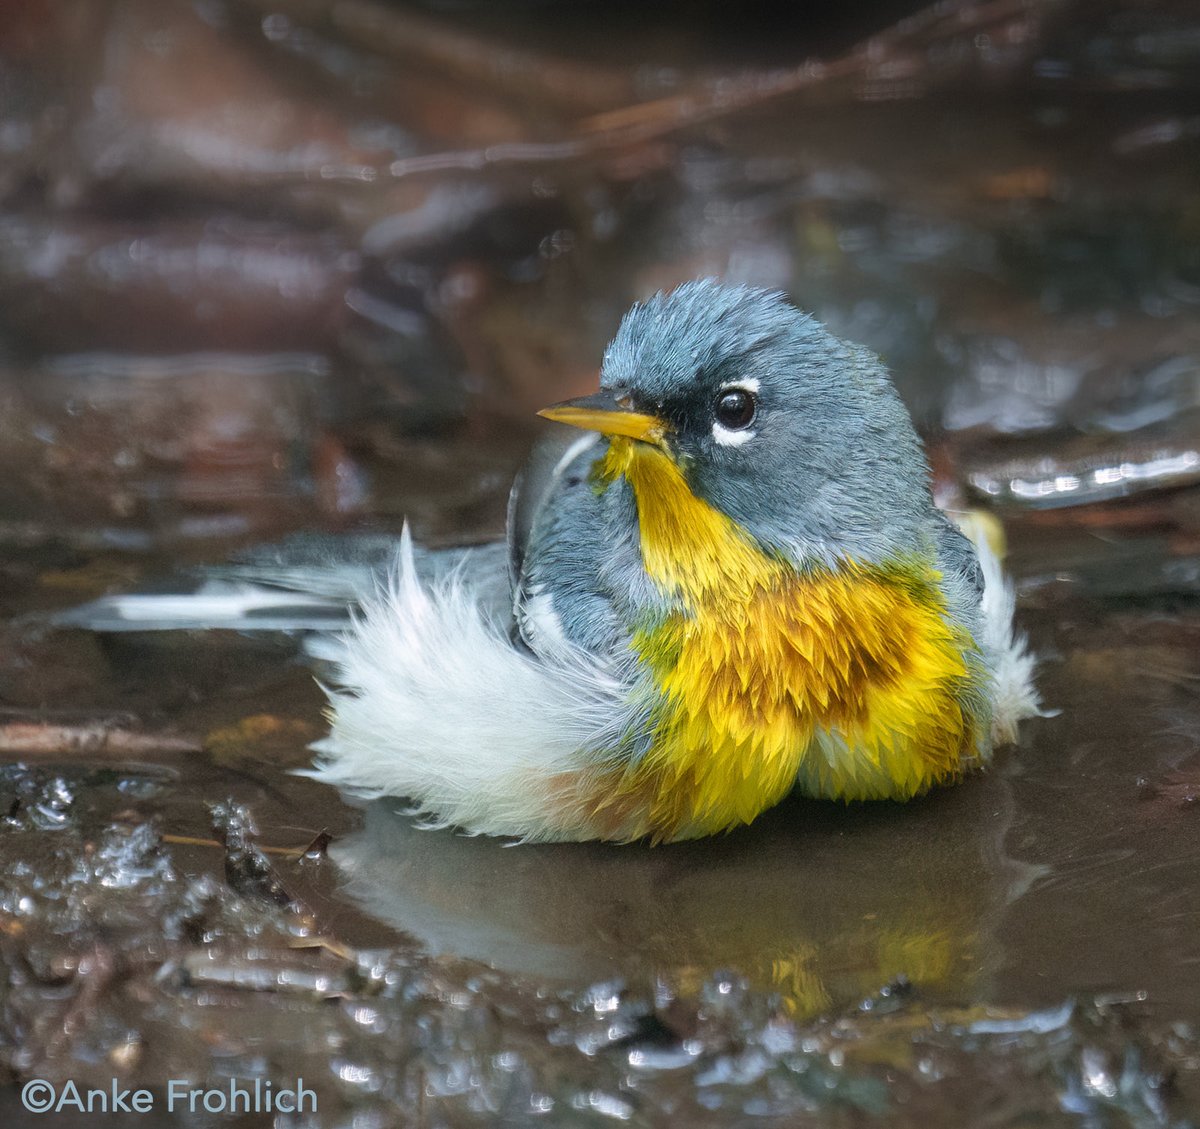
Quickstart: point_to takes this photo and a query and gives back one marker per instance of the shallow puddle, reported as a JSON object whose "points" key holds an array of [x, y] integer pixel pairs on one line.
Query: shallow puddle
{"points": [[298, 266], [1027, 939]]}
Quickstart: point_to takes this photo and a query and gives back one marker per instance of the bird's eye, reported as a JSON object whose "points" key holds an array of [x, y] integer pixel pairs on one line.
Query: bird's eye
{"points": [[735, 408]]}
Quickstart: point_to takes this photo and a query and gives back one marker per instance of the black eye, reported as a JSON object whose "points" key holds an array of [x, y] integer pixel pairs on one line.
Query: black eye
{"points": [[735, 408]]}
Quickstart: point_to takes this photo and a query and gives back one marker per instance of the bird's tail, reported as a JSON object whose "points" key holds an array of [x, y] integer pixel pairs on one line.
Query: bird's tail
{"points": [[212, 604], [306, 583]]}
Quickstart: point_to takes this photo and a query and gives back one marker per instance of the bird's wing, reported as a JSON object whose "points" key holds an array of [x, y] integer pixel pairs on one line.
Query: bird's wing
{"points": [[554, 529], [572, 552], [553, 465], [958, 559]]}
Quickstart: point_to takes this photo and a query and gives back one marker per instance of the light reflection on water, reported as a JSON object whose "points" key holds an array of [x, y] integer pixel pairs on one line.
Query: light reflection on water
{"points": [[823, 905]]}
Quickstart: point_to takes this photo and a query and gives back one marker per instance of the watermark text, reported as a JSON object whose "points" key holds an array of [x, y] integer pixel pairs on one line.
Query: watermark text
{"points": [[177, 1095]]}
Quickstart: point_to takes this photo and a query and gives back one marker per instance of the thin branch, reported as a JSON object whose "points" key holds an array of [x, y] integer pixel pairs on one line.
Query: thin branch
{"points": [[93, 739]]}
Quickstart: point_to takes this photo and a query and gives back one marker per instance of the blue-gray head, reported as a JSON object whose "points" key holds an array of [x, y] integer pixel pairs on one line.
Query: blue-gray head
{"points": [[797, 436]]}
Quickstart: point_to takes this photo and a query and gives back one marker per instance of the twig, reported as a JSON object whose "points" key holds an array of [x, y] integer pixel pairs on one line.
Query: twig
{"points": [[318, 843], [98, 738], [719, 97], [503, 70], [711, 98]]}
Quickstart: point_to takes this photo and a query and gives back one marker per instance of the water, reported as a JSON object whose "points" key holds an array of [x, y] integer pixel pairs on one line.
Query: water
{"points": [[339, 306]]}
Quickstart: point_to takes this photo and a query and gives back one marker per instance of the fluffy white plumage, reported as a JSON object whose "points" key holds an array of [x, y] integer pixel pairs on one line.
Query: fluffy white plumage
{"points": [[1014, 696], [436, 703]]}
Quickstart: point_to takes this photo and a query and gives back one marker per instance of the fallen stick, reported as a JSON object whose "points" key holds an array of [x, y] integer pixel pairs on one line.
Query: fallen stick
{"points": [[99, 738], [713, 97]]}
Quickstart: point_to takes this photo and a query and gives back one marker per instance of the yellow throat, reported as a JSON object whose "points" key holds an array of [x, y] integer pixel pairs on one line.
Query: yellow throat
{"points": [[848, 682]]}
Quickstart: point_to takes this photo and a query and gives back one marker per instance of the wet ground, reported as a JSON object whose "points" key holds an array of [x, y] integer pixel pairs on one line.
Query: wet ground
{"points": [[266, 268]]}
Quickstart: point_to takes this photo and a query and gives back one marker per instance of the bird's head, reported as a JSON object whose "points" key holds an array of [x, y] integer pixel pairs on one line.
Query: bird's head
{"points": [[797, 436]]}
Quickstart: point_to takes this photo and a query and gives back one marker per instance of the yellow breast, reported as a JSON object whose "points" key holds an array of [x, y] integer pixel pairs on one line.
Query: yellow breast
{"points": [[849, 682]]}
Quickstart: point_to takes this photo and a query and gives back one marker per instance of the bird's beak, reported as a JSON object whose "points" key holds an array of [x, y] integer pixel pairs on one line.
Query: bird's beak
{"points": [[610, 414]]}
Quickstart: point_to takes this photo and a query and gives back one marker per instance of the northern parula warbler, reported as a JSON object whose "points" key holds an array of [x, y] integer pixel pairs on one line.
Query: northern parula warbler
{"points": [[733, 585]]}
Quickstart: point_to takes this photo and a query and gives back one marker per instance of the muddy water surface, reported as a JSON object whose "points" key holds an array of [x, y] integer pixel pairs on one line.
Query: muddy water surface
{"points": [[304, 266]]}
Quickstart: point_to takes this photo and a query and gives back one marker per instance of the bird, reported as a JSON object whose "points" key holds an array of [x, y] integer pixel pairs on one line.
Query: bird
{"points": [[729, 583], [724, 580]]}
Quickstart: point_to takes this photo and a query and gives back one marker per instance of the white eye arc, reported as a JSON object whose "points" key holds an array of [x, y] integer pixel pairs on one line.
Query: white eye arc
{"points": [[729, 438]]}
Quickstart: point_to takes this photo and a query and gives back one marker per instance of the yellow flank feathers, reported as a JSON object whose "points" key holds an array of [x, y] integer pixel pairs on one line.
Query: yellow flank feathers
{"points": [[847, 682]]}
